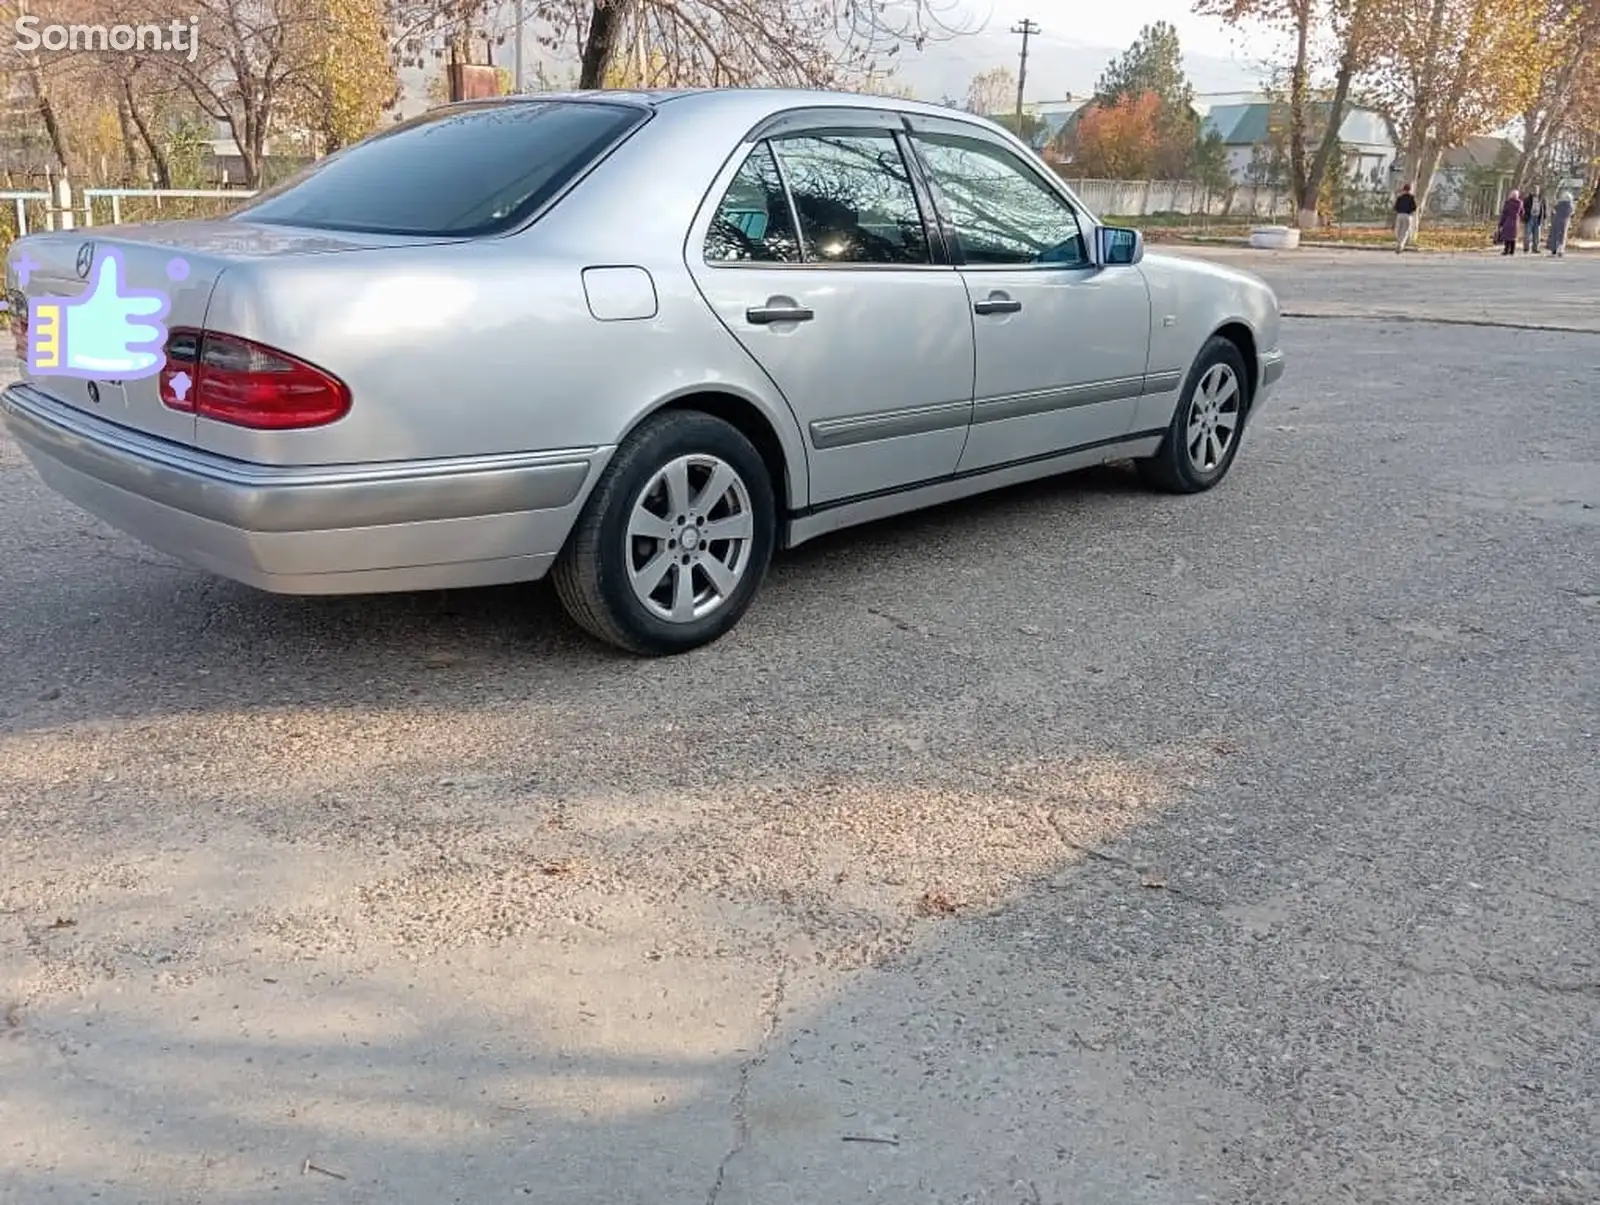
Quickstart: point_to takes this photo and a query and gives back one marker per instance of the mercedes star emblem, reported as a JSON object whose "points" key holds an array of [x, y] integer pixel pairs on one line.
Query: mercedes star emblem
{"points": [[85, 260]]}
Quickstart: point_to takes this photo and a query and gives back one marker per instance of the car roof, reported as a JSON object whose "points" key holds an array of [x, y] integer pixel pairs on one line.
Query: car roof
{"points": [[751, 103]]}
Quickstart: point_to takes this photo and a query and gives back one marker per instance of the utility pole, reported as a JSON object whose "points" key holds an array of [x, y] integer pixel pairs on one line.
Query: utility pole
{"points": [[516, 71], [1027, 29]]}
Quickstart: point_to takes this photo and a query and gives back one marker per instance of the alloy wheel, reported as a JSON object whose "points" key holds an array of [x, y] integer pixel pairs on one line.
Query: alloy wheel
{"points": [[1213, 418], [689, 538]]}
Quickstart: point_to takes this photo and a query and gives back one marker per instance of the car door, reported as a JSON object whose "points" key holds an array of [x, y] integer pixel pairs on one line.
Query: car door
{"points": [[1062, 345], [817, 256]]}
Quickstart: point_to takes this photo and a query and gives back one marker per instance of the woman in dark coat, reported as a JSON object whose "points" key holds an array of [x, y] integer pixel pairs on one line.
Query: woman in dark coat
{"points": [[1510, 220]]}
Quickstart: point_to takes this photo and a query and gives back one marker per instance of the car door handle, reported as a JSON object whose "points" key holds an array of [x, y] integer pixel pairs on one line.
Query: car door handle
{"points": [[766, 315], [997, 304]]}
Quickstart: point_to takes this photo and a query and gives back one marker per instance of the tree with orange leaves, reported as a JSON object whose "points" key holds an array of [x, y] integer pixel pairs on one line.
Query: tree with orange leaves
{"points": [[1118, 140]]}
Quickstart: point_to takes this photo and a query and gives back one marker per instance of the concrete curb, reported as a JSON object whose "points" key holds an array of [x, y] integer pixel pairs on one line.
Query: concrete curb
{"points": [[1435, 320], [1222, 241], [1488, 249]]}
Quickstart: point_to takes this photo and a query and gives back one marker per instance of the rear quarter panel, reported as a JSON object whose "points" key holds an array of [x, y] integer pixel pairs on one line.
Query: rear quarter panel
{"points": [[490, 346], [1190, 300]]}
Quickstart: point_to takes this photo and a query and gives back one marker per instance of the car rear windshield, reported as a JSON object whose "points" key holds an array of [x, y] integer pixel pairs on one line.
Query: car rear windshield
{"points": [[457, 172]]}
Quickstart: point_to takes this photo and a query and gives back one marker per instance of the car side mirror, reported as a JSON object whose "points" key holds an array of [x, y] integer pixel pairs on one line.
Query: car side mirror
{"points": [[1119, 246]]}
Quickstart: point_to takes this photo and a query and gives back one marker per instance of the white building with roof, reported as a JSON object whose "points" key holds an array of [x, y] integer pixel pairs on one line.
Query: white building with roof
{"points": [[1250, 124]]}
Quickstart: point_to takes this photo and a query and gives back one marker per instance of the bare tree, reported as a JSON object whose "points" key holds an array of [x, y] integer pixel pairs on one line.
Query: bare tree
{"points": [[800, 43], [46, 82], [992, 91], [319, 68], [141, 90]]}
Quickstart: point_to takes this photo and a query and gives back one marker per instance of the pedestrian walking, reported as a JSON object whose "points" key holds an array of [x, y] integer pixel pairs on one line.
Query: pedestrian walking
{"points": [[1534, 212], [1510, 219], [1560, 220], [1405, 218]]}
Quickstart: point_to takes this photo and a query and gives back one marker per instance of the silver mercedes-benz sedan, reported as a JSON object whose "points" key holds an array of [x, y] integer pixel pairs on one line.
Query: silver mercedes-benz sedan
{"points": [[634, 340]]}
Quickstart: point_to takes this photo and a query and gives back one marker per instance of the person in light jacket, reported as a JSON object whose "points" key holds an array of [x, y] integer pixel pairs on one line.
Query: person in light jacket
{"points": [[1534, 212], [1560, 220], [1510, 219]]}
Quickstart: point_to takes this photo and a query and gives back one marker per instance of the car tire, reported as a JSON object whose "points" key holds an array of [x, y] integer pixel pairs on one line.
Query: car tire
{"points": [[655, 564], [1216, 393]]}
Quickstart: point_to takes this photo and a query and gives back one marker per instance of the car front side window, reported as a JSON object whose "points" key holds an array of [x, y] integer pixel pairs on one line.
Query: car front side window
{"points": [[854, 198], [1000, 213]]}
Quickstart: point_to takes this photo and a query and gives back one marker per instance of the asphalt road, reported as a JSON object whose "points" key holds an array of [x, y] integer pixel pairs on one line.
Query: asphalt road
{"points": [[1471, 288], [1074, 845]]}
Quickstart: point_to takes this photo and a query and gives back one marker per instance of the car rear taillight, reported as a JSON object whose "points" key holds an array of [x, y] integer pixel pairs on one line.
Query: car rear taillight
{"points": [[233, 380], [179, 372]]}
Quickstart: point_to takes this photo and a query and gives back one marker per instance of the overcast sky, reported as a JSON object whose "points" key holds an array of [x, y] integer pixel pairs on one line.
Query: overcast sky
{"points": [[1104, 24], [1076, 42]]}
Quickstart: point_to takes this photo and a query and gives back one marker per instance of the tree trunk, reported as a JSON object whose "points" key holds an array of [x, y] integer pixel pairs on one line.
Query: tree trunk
{"points": [[257, 98], [1427, 167], [1589, 222], [34, 72], [1422, 155], [130, 143], [1533, 135], [605, 29], [1330, 136], [1299, 75], [242, 131], [158, 154], [327, 126], [52, 124], [252, 152]]}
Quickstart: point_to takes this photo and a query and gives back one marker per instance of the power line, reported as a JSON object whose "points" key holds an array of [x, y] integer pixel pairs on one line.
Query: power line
{"points": [[1027, 28]]}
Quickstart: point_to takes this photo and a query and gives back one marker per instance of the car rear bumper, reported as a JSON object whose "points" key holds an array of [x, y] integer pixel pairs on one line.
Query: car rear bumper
{"points": [[345, 529]]}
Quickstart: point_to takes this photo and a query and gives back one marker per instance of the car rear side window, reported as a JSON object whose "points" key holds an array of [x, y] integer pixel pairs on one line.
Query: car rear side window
{"points": [[753, 224], [854, 198], [458, 172], [1001, 213]]}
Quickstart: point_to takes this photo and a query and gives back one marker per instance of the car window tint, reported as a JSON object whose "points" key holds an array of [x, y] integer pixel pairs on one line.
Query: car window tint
{"points": [[999, 210], [854, 198], [753, 223], [455, 172]]}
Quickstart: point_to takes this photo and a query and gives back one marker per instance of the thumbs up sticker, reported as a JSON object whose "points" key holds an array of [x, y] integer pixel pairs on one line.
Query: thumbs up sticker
{"points": [[110, 331]]}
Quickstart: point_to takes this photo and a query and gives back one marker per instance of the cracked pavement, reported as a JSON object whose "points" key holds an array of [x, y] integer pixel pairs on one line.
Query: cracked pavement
{"points": [[1072, 845]]}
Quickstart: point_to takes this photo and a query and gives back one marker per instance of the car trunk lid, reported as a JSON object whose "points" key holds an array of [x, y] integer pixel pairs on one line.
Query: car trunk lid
{"points": [[182, 261]]}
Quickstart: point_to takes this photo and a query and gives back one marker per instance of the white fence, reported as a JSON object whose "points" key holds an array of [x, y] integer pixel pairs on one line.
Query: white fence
{"points": [[116, 195], [20, 202], [1144, 198], [60, 210]]}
